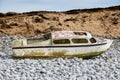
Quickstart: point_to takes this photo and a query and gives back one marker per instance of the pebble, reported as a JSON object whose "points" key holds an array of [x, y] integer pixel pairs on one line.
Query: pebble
{"points": [[103, 67]]}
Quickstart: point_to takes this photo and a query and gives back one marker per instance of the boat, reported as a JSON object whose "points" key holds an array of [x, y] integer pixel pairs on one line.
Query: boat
{"points": [[61, 44]]}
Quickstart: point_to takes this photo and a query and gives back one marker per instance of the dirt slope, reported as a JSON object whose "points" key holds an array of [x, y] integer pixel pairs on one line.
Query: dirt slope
{"points": [[100, 21]]}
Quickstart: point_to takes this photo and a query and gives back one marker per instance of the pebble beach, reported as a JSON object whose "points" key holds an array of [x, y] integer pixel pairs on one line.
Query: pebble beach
{"points": [[103, 67]]}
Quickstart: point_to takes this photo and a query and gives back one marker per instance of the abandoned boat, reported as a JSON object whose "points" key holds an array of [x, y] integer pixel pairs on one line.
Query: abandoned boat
{"points": [[60, 44]]}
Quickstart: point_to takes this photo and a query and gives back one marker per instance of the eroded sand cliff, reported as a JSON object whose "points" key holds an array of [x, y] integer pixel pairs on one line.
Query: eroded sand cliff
{"points": [[100, 21]]}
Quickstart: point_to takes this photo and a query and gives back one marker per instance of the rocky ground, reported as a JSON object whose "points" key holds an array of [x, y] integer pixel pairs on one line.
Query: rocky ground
{"points": [[103, 67]]}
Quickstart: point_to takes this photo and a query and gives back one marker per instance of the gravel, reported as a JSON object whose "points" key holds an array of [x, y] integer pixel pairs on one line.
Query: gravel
{"points": [[103, 67]]}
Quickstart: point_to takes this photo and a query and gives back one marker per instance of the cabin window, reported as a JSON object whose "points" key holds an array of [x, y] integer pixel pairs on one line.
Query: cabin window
{"points": [[78, 40], [80, 33], [62, 41], [92, 40]]}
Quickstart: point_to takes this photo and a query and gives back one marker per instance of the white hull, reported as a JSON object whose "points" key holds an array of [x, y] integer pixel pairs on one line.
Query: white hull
{"points": [[56, 51]]}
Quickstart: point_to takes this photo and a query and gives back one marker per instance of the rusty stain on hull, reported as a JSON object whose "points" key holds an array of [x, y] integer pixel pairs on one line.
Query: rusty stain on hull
{"points": [[86, 55], [34, 53], [24, 53], [41, 54], [57, 53]]}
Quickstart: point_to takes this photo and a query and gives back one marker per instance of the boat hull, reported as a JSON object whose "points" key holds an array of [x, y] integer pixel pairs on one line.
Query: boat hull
{"points": [[83, 51]]}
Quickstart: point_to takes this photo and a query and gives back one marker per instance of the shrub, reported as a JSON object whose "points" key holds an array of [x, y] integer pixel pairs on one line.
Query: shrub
{"points": [[2, 14], [11, 13]]}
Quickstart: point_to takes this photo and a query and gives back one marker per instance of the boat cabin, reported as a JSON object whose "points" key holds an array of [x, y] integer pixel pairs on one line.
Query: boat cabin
{"points": [[58, 38]]}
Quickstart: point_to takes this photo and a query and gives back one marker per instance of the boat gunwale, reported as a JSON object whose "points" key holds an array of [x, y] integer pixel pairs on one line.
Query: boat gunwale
{"points": [[58, 46]]}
